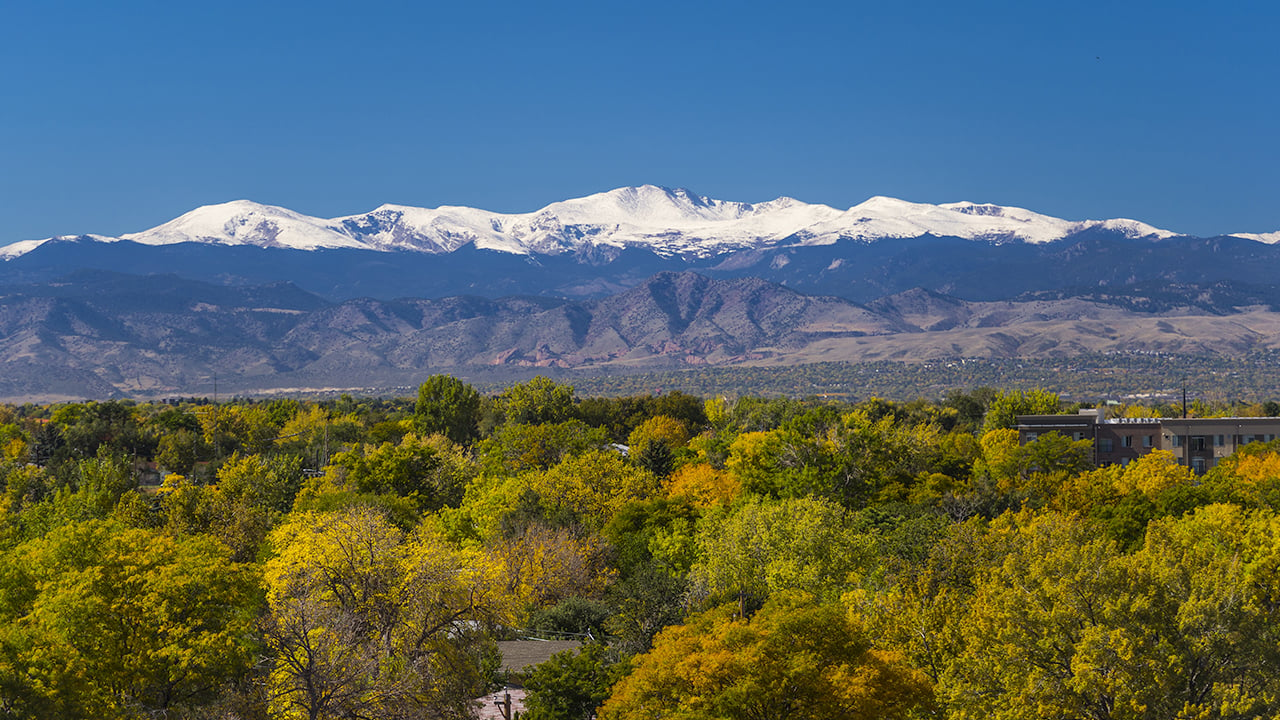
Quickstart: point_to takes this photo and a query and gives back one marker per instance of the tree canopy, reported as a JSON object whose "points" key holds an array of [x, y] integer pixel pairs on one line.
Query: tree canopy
{"points": [[721, 557]]}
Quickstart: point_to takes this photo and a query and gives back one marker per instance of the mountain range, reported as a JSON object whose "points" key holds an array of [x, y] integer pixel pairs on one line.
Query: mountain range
{"points": [[267, 299], [662, 220], [603, 244], [99, 334]]}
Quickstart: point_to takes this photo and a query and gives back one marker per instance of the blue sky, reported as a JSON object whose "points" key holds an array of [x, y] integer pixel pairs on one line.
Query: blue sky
{"points": [[115, 117]]}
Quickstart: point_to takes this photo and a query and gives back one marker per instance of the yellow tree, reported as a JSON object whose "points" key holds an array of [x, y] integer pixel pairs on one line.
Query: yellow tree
{"points": [[703, 485], [1250, 477], [1207, 591], [764, 546], [795, 658], [592, 486], [1063, 625], [1046, 589], [1124, 499], [101, 620], [543, 565], [370, 621]]}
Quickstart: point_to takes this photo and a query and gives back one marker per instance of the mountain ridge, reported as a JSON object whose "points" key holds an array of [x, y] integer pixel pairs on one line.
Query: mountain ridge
{"points": [[663, 220], [101, 335]]}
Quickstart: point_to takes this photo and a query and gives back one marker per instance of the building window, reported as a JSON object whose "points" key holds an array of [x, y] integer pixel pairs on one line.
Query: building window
{"points": [[1104, 445], [1177, 441], [1198, 465], [1221, 439], [1146, 441], [1128, 441], [1199, 443]]}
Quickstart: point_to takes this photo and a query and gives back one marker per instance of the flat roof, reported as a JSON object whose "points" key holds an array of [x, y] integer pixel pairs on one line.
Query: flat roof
{"points": [[1091, 420]]}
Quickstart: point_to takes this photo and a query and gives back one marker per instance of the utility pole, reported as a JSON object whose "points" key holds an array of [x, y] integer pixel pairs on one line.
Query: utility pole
{"points": [[504, 705]]}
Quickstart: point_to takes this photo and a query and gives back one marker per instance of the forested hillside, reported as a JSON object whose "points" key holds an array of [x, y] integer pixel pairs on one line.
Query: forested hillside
{"points": [[754, 558]]}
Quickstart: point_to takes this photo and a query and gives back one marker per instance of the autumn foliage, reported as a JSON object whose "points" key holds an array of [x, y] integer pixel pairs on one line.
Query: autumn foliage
{"points": [[735, 558]]}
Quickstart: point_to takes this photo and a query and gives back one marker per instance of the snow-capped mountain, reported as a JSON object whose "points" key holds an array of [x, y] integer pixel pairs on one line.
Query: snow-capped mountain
{"points": [[247, 223], [1272, 238], [667, 222], [884, 217], [22, 247]]}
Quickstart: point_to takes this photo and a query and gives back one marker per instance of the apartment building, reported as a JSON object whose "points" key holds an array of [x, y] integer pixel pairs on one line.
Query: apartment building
{"points": [[1197, 442]]}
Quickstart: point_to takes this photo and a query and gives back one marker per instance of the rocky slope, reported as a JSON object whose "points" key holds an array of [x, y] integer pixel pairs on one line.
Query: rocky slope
{"points": [[102, 334]]}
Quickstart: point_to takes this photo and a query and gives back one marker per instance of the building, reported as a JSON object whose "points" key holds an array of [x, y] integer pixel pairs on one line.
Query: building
{"points": [[518, 656], [1197, 442]]}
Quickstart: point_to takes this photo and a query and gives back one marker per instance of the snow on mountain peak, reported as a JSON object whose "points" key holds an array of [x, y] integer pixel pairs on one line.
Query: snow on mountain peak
{"points": [[1130, 228], [643, 206], [1272, 238], [22, 247], [663, 220], [242, 222]]}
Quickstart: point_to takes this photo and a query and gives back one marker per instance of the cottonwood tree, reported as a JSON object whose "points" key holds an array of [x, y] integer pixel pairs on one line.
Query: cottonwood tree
{"points": [[106, 621], [448, 406], [1062, 624], [765, 546], [367, 620], [540, 400], [795, 658]]}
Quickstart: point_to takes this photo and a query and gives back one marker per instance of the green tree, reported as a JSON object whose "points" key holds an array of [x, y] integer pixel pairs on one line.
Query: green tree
{"points": [[448, 406], [647, 600], [515, 448], [576, 615], [93, 427], [571, 686], [90, 489], [852, 459], [1003, 410], [537, 401], [177, 451], [658, 532], [430, 471]]}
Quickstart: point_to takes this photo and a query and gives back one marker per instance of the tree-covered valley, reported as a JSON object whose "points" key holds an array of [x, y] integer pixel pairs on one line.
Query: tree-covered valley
{"points": [[744, 558]]}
